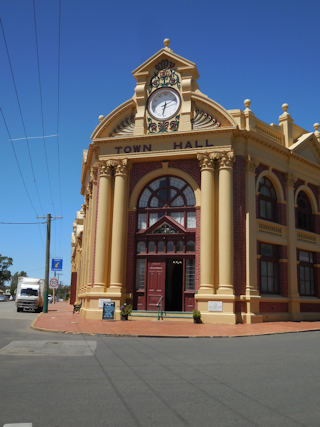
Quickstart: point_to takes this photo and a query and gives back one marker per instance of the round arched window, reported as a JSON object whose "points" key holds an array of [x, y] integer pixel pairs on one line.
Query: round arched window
{"points": [[168, 195], [304, 212], [267, 200]]}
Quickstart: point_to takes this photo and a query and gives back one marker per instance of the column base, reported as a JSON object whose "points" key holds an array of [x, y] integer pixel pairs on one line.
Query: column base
{"points": [[219, 318], [294, 310], [225, 290]]}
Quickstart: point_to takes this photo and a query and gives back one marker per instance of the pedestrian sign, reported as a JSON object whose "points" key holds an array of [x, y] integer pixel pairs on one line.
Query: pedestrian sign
{"points": [[56, 264]]}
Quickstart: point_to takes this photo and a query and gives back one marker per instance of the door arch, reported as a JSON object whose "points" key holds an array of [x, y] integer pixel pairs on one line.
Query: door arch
{"points": [[165, 245]]}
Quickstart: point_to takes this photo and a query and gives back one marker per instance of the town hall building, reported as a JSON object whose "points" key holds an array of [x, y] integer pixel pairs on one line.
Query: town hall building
{"points": [[190, 205]]}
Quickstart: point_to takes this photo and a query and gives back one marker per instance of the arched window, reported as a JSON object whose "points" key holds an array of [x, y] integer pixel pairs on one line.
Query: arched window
{"points": [[304, 212], [167, 195], [267, 201], [173, 198]]}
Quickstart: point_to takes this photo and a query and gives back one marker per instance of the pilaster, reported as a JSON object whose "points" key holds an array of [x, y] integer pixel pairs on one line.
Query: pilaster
{"points": [[285, 122], [293, 294], [251, 233]]}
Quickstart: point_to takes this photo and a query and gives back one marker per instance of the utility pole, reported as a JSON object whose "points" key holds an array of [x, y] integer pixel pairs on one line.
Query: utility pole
{"points": [[46, 279]]}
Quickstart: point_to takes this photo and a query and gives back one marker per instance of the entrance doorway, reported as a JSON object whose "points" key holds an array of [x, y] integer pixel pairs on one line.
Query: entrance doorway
{"points": [[174, 285], [165, 246]]}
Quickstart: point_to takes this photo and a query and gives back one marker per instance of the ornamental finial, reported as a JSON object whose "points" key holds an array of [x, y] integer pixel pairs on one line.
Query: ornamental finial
{"points": [[316, 131], [101, 117], [166, 43], [247, 103], [285, 107]]}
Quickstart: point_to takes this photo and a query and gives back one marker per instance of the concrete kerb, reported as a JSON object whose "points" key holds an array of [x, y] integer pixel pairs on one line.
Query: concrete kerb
{"points": [[140, 335]]}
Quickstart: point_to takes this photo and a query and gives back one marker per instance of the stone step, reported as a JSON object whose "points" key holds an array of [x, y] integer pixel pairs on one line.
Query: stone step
{"points": [[165, 314]]}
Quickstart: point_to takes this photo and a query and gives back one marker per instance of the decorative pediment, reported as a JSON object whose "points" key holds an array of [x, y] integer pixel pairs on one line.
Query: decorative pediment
{"points": [[164, 228], [307, 147], [165, 56], [166, 100], [165, 225], [120, 122], [208, 114], [203, 120], [124, 128]]}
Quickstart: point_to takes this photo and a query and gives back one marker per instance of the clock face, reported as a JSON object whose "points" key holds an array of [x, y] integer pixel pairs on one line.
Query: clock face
{"points": [[164, 103]]}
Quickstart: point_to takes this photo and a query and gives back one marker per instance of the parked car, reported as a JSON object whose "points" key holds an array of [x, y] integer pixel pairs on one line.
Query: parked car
{"points": [[3, 298], [50, 299]]}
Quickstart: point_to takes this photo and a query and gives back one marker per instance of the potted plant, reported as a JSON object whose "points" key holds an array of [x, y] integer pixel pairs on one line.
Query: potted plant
{"points": [[125, 310], [196, 316]]}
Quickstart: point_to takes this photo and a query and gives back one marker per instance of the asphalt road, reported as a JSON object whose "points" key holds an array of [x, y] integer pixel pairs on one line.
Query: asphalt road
{"points": [[51, 379]]}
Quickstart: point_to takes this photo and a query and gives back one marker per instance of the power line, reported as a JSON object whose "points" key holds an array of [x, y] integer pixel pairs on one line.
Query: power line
{"points": [[58, 103], [21, 223], [18, 164], [34, 137], [20, 110], [41, 101], [58, 121]]}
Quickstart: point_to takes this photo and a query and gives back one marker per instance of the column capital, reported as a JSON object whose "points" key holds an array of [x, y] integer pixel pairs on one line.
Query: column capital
{"points": [[206, 161], [90, 187], [291, 179], [94, 174], [121, 167], [252, 164], [105, 168], [225, 159]]}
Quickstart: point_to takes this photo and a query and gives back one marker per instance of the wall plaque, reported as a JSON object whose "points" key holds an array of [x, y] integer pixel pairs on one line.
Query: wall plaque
{"points": [[215, 306]]}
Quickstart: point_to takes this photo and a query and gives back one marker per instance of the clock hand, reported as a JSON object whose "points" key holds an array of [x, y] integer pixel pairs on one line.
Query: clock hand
{"points": [[164, 107]]}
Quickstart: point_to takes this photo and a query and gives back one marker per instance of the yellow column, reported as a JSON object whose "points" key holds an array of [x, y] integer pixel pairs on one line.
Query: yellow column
{"points": [[83, 252], [294, 306], [119, 228], [103, 219], [225, 223], [93, 201], [206, 224]]}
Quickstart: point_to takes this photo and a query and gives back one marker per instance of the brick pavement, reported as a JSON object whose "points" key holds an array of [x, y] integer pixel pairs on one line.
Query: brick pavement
{"points": [[60, 319]]}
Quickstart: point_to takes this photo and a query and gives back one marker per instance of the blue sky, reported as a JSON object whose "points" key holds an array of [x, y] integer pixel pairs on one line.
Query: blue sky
{"points": [[265, 51]]}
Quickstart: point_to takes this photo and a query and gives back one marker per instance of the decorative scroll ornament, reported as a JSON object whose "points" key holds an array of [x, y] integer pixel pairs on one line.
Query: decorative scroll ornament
{"points": [[125, 127], [225, 159], [121, 167], [206, 162], [105, 169], [203, 120], [165, 126], [90, 187], [164, 76], [94, 174], [251, 165], [291, 179]]}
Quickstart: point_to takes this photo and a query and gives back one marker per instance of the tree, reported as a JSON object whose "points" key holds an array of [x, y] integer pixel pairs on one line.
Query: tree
{"points": [[14, 280], [5, 274]]}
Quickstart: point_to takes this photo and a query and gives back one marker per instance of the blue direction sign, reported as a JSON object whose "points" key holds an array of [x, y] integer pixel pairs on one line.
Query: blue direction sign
{"points": [[56, 264]]}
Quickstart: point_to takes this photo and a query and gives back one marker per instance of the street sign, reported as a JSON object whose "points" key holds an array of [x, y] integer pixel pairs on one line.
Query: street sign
{"points": [[56, 264], [53, 283]]}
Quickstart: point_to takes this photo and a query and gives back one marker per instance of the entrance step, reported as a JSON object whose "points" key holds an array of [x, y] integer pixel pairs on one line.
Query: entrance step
{"points": [[167, 315]]}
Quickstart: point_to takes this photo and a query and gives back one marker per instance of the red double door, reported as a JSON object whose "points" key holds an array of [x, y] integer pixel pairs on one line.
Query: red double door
{"points": [[156, 283]]}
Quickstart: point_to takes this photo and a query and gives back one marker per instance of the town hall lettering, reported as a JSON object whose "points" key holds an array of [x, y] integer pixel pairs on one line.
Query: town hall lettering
{"points": [[141, 148]]}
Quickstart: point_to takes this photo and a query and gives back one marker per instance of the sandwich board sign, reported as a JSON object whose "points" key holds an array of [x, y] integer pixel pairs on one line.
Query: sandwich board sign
{"points": [[108, 310]]}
